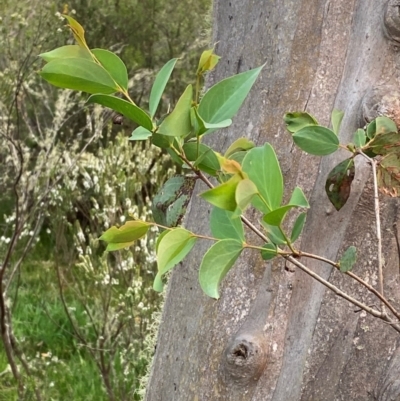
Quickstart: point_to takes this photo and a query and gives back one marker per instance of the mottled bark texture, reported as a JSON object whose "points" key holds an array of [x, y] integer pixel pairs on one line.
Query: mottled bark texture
{"points": [[276, 334]]}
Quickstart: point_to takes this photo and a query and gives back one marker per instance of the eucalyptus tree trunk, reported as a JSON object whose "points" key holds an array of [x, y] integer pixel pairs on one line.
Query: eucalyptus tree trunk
{"points": [[276, 334]]}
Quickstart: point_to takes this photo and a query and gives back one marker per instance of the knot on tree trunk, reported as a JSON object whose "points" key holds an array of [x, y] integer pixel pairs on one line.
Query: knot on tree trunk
{"points": [[391, 20], [244, 359], [379, 101]]}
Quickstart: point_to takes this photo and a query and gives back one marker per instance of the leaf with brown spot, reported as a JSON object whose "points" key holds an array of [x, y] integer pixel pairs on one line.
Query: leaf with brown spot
{"points": [[389, 175], [384, 143], [338, 183]]}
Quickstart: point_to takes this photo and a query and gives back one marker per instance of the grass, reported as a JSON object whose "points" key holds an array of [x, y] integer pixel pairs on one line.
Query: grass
{"points": [[60, 366]]}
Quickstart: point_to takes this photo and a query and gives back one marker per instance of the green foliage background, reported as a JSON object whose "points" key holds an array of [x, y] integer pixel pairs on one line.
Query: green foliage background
{"points": [[82, 319]]}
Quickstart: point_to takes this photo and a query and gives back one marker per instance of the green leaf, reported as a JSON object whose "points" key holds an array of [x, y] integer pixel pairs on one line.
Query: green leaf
{"points": [[337, 117], [140, 134], [127, 109], [202, 127], [276, 216], [245, 191], [381, 125], [241, 144], [216, 263], [223, 196], [274, 234], [298, 120], [389, 174], [159, 85], [78, 74], [238, 156], [262, 167], [359, 138], [224, 225], [269, 252], [173, 248], [298, 226], [371, 129], [113, 65], [298, 198], [162, 141], [338, 183], [69, 51], [204, 157], [223, 100], [178, 123], [348, 259], [126, 235], [316, 140], [158, 285]]}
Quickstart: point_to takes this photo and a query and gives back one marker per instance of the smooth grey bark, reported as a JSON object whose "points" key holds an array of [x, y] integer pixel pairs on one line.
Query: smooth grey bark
{"points": [[276, 334]]}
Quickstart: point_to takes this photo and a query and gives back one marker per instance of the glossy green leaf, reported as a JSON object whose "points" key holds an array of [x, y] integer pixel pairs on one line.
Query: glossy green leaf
{"points": [[348, 259], [316, 140], [78, 74], [224, 225], [388, 174], [269, 252], [159, 85], [126, 235], [223, 100], [276, 216], [262, 167], [337, 117], [359, 138], [202, 127], [338, 183], [140, 134], [298, 120], [298, 226], [203, 156], [177, 124], [274, 234], [125, 108], [245, 192], [241, 144], [113, 65], [223, 196], [216, 263], [173, 248], [69, 51]]}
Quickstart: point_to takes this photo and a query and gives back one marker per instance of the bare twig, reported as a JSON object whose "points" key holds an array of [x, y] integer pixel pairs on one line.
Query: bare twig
{"points": [[378, 223]]}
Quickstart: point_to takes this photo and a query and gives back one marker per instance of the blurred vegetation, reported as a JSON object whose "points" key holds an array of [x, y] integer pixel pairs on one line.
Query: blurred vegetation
{"points": [[75, 321]]}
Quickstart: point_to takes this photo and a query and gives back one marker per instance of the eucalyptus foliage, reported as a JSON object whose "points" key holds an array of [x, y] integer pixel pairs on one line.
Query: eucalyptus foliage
{"points": [[245, 175]]}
